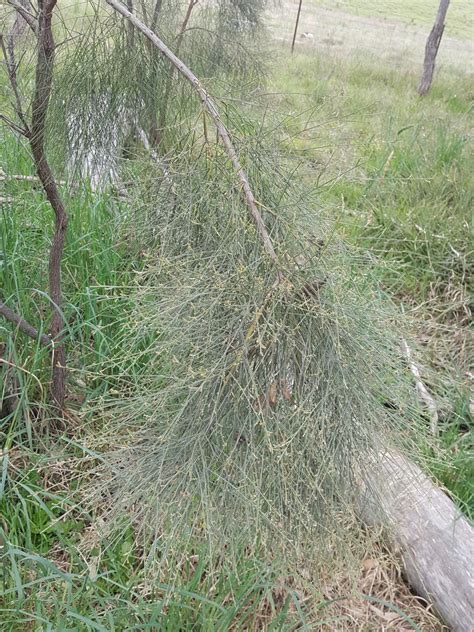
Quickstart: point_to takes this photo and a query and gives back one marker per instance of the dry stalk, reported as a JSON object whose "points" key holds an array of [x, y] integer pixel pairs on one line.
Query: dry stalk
{"points": [[421, 388]]}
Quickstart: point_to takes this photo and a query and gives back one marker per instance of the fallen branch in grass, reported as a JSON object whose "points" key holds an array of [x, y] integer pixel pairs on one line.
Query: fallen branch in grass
{"points": [[18, 177], [435, 540], [23, 325], [212, 110], [421, 388]]}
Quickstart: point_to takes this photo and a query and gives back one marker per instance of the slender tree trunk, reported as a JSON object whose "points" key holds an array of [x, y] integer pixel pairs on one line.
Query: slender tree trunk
{"points": [[431, 48], [296, 26], [42, 92]]}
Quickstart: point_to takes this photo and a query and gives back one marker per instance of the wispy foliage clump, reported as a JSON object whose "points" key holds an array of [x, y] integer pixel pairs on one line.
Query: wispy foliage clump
{"points": [[266, 388], [109, 80]]}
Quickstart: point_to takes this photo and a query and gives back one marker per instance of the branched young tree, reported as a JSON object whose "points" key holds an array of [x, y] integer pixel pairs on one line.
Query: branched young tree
{"points": [[34, 131], [431, 48]]}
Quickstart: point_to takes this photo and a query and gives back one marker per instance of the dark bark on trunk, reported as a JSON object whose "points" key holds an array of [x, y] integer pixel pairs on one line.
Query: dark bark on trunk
{"points": [[42, 92], [431, 48]]}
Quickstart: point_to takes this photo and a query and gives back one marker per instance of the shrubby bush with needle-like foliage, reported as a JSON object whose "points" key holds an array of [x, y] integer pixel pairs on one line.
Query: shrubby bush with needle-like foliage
{"points": [[268, 387]]}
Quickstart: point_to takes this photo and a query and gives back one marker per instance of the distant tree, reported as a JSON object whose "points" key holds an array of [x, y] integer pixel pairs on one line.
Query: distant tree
{"points": [[296, 26], [431, 48]]}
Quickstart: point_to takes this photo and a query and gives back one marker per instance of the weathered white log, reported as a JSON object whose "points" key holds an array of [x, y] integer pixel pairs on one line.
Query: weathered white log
{"points": [[435, 540]]}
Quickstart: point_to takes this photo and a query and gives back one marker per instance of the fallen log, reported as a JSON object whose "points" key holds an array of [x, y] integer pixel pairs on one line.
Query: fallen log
{"points": [[434, 539]]}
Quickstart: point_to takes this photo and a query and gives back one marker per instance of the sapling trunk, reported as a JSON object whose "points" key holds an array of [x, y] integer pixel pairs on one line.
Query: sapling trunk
{"points": [[42, 93]]}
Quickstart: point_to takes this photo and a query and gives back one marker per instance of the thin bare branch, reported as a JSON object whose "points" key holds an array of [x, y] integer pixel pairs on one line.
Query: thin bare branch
{"points": [[21, 178], [211, 108], [12, 125], [23, 325], [296, 26], [11, 70], [26, 15]]}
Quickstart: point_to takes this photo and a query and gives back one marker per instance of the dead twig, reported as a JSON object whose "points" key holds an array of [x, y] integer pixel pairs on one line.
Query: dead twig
{"points": [[16, 128], [421, 389]]}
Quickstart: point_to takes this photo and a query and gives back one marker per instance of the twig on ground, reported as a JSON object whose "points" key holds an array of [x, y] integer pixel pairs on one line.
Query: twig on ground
{"points": [[421, 388]]}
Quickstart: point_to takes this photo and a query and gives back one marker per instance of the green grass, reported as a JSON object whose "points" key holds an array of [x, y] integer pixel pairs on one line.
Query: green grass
{"points": [[52, 582], [99, 269], [395, 171], [459, 21], [52, 577]]}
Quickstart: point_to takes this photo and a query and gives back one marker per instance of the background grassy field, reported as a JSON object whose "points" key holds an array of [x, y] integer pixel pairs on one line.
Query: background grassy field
{"points": [[416, 12], [395, 173]]}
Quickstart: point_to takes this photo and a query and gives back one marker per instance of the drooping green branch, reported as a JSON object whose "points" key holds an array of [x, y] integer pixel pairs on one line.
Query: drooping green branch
{"points": [[212, 110]]}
